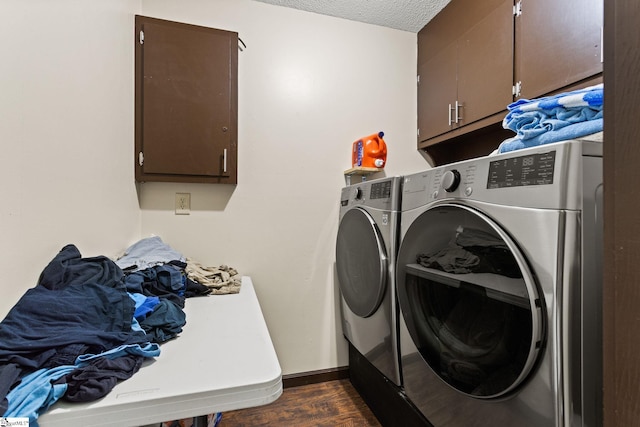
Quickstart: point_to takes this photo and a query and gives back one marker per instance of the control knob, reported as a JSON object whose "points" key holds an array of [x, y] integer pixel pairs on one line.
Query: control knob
{"points": [[450, 180], [358, 193]]}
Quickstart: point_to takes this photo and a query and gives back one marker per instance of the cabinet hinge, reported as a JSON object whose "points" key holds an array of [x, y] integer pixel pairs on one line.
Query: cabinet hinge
{"points": [[141, 158], [418, 132], [517, 8], [418, 79], [517, 89], [141, 37]]}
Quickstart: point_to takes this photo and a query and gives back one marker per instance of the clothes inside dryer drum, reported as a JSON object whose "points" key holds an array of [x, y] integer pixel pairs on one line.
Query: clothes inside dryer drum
{"points": [[361, 262], [472, 251]]}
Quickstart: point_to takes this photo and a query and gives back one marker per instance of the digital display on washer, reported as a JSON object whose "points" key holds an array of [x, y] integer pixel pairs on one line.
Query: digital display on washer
{"points": [[532, 169], [380, 190]]}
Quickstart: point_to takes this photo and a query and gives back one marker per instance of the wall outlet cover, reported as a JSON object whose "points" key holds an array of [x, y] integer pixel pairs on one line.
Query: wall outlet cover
{"points": [[183, 203]]}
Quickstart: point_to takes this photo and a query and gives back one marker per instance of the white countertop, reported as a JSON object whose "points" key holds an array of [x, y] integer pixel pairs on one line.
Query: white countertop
{"points": [[223, 360]]}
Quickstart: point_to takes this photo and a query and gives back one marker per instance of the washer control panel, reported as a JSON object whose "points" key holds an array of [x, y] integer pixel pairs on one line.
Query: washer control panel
{"points": [[383, 193], [381, 190]]}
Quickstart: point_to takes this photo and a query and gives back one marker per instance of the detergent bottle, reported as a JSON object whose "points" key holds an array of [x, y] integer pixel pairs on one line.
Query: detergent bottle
{"points": [[369, 152]]}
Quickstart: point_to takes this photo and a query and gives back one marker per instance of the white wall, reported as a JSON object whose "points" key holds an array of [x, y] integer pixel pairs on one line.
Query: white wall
{"points": [[66, 134], [309, 85]]}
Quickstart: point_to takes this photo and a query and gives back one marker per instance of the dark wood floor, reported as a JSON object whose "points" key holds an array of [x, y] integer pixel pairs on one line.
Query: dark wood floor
{"points": [[331, 404]]}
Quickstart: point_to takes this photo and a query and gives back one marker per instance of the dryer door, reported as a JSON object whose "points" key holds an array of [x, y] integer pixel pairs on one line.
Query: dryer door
{"points": [[469, 301], [361, 262]]}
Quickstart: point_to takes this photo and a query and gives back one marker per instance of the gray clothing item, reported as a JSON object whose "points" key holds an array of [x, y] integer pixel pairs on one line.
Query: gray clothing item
{"points": [[452, 259], [147, 253]]}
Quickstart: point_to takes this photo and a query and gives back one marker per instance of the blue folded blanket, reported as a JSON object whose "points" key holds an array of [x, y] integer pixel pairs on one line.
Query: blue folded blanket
{"points": [[568, 115]]}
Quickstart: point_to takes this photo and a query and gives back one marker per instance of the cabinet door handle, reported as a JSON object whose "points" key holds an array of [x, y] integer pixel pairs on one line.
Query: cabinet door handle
{"points": [[601, 44], [458, 115], [449, 115], [224, 161]]}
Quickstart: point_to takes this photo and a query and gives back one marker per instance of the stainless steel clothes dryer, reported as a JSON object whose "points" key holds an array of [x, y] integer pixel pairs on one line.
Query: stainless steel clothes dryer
{"points": [[499, 286], [366, 250]]}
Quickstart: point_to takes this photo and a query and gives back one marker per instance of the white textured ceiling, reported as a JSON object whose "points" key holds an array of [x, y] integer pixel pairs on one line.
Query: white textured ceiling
{"points": [[407, 15]]}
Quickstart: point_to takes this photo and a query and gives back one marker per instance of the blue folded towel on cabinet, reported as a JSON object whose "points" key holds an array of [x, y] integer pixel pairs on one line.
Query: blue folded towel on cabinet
{"points": [[568, 115]]}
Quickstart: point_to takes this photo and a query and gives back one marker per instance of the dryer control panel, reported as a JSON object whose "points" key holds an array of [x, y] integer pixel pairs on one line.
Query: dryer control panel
{"points": [[546, 177], [533, 169]]}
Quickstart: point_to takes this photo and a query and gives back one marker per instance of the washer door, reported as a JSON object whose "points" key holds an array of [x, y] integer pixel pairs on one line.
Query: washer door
{"points": [[469, 301], [361, 262]]}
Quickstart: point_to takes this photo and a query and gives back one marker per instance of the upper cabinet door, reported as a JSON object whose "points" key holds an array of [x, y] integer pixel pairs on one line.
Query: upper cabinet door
{"points": [[558, 43], [186, 102], [437, 93], [485, 66]]}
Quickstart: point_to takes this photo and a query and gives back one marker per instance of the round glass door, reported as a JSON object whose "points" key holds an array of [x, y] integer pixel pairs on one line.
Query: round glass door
{"points": [[361, 262], [469, 301]]}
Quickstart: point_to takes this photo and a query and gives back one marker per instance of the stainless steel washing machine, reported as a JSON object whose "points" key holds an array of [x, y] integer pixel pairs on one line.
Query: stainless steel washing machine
{"points": [[499, 285], [366, 250]]}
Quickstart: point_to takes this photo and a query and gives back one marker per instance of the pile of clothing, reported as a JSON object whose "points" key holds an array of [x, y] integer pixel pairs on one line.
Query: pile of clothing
{"points": [[91, 322], [569, 115], [472, 251]]}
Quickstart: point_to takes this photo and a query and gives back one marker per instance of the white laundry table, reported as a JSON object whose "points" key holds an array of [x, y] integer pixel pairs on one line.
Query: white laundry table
{"points": [[223, 360]]}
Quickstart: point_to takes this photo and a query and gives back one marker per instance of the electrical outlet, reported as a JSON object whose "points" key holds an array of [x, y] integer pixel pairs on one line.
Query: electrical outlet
{"points": [[183, 203]]}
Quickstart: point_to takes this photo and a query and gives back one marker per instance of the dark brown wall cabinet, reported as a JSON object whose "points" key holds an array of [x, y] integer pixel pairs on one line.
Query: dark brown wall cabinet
{"points": [[477, 56], [465, 66], [186, 102]]}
